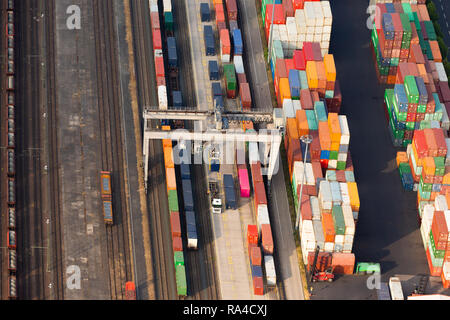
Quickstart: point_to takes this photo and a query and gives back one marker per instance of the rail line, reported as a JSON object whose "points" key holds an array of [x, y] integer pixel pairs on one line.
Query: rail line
{"points": [[161, 242], [119, 253]]}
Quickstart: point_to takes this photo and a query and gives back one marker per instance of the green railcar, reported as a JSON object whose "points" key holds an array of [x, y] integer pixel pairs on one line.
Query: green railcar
{"points": [[180, 273]]}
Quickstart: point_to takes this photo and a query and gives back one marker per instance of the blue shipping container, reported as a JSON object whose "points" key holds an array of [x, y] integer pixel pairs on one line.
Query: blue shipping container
{"points": [[228, 181], [185, 171], [190, 217], [256, 272], [237, 42], [230, 198], [177, 99], [205, 13], [213, 69], [294, 84], [209, 41], [216, 89]]}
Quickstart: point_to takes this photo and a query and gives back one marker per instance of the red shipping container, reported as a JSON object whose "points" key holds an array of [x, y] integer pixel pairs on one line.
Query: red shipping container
{"points": [[431, 142], [439, 228], [256, 173], [252, 234], [306, 99], [416, 54], [154, 19], [323, 261], [175, 224], [328, 227], [241, 78], [266, 239], [255, 256], [258, 286], [231, 94], [232, 10], [440, 142], [314, 147], [445, 91], [159, 66], [157, 43], [299, 60], [260, 193], [225, 41], [445, 282], [244, 92], [420, 144], [305, 211], [298, 4], [308, 51], [317, 52], [177, 244], [289, 65], [343, 263], [317, 170], [288, 8]]}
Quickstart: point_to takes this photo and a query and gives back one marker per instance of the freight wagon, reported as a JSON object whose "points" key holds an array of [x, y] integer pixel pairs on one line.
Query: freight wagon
{"points": [[12, 260], [10, 42], [10, 159], [10, 83], [10, 6], [11, 218], [105, 184], [11, 191], [12, 289], [107, 211], [10, 29], [11, 239]]}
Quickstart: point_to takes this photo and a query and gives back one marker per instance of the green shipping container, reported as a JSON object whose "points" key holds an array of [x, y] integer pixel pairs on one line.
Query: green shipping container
{"points": [[411, 89], [404, 168], [168, 21], [303, 79], [439, 163], [180, 274], [437, 254], [421, 108], [338, 220], [341, 166], [334, 155], [388, 99], [312, 121], [408, 11], [173, 201], [429, 27], [178, 258], [230, 76]]}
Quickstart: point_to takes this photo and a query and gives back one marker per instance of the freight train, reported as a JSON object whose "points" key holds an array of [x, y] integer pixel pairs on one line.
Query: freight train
{"points": [[10, 158], [106, 196]]}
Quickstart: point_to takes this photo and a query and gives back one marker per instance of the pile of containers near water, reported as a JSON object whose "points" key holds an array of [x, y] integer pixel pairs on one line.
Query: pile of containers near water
{"points": [[309, 100], [407, 56]]}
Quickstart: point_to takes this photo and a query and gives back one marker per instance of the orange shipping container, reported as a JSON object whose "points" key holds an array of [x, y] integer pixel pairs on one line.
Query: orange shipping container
{"points": [[436, 52], [302, 123], [167, 143], [401, 157], [428, 166], [328, 227], [311, 73], [343, 263], [171, 179], [321, 75], [291, 126], [225, 41], [334, 126], [324, 136], [168, 157], [220, 15], [423, 12], [285, 92], [354, 196], [423, 72], [330, 67]]}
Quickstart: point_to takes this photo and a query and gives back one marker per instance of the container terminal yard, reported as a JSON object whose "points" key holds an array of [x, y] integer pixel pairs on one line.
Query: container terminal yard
{"points": [[224, 150]]}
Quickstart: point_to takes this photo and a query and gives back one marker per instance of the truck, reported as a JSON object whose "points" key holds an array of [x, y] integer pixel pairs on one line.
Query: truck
{"points": [[395, 287]]}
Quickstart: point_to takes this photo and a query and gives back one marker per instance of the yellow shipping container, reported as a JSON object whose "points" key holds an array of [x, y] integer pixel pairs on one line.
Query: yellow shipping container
{"points": [[423, 72], [285, 91], [446, 179], [354, 196], [335, 146], [330, 67], [428, 166], [334, 126], [311, 73]]}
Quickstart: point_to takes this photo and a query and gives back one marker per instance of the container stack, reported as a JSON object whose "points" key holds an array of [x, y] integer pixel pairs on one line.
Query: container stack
{"points": [[305, 79], [297, 22], [402, 32]]}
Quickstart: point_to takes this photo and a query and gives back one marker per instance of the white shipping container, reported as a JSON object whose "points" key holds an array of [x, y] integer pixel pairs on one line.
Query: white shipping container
{"points": [[344, 194], [325, 198], [338, 247], [315, 208], [253, 152], [395, 287], [167, 5], [327, 14], [307, 227], [162, 97], [291, 27], [347, 247], [425, 235], [318, 30], [445, 124], [278, 118], [269, 267], [225, 58], [153, 7], [440, 203], [327, 29], [310, 15], [310, 180], [297, 105], [329, 247], [318, 13], [318, 232], [238, 64], [342, 156], [288, 108], [309, 37], [300, 21], [348, 220], [298, 173], [324, 51], [317, 37], [441, 72], [339, 239], [310, 30], [348, 239], [332, 164]]}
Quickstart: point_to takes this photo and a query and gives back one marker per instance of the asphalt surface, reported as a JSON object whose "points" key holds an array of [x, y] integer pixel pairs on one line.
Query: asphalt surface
{"points": [[443, 9], [387, 230], [254, 56]]}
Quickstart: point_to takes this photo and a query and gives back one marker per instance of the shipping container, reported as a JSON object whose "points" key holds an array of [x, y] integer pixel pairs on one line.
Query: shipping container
{"points": [[205, 12], [107, 211], [175, 224], [396, 290], [105, 177], [267, 239]]}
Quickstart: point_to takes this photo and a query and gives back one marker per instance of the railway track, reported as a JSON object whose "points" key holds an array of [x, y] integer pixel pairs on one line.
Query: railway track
{"points": [[161, 241], [119, 253], [56, 260], [32, 242]]}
